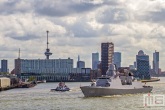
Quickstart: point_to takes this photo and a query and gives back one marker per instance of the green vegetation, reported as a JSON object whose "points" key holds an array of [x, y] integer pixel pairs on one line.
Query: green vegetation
{"points": [[4, 73], [31, 78]]}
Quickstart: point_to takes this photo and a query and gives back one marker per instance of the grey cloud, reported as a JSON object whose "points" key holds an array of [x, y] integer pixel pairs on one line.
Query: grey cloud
{"points": [[61, 8], [159, 36], [157, 16], [23, 37], [81, 29], [69, 7], [6, 48], [52, 8], [152, 16], [11, 7], [108, 30], [112, 15]]}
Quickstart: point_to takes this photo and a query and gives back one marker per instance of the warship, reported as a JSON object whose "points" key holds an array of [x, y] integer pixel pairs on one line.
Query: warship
{"points": [[115, 83]]}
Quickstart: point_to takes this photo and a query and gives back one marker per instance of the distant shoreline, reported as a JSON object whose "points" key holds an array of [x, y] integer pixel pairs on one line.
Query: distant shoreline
{"points": [[151, 80]]}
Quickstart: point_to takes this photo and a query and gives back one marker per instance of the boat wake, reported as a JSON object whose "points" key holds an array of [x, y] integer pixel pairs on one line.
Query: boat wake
{"points": [[75, 89], [113, 96]]}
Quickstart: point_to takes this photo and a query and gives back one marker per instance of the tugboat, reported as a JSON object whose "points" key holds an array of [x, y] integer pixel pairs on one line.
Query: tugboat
{"points": [[115, 83], [61, 87]]}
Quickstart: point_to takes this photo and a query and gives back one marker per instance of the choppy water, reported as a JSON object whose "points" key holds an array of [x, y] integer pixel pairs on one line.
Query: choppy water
{"points": [[41, 98]]}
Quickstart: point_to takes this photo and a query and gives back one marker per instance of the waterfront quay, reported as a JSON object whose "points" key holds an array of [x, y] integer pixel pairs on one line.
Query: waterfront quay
{"points": [[8, 87], [9, 82]]}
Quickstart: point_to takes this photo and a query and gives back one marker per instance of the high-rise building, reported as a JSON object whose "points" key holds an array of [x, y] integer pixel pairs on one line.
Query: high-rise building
{"points": [[107, 52], [95, 60], [80, 64], [4, 66], [156, 62], [143, 66], [135, 65], [117, 59], [17, 64]]}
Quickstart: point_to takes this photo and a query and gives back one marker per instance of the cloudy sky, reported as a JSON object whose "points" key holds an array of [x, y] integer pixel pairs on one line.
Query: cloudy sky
{"points": [[77, 27]]}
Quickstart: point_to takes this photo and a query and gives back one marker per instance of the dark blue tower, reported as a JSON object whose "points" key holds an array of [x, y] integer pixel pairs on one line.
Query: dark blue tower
{"points": [[47, 53], [143, 66]]}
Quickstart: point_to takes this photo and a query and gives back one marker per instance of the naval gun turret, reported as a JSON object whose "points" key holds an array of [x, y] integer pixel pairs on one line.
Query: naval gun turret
{"points": [[126, 77]]}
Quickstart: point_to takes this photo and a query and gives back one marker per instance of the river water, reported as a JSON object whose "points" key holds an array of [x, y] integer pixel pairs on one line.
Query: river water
{"points": [[41, 98]]}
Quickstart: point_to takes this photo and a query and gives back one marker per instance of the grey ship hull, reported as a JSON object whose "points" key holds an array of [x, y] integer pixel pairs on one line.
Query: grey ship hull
{"points": [[106, 91]]}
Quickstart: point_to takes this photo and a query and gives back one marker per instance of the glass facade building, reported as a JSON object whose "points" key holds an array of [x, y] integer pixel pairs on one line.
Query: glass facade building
{"points": [[44, 66], [156, 62], [80, 64], [4, 66], [143, 66], [95, 60], [49, 69], [117, 59]]}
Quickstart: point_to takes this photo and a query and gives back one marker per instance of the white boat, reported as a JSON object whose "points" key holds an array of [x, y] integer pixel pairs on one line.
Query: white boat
{"points": [[44, 81], [115, 83], [61, 87]]}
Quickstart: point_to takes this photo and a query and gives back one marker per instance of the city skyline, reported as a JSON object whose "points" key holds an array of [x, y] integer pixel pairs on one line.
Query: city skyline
{"points": [[79, 27], [75, 62]]}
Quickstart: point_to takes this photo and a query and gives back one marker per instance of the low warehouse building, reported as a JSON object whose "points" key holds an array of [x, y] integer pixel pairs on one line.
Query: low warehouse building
{"points": [[4, 82]]}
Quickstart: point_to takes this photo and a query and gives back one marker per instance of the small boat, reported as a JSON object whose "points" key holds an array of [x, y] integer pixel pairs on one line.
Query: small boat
{"points": [[61, 87], [43, 81]]}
